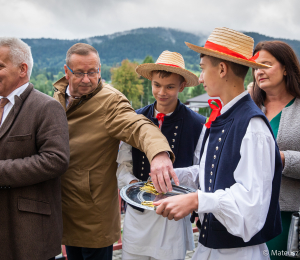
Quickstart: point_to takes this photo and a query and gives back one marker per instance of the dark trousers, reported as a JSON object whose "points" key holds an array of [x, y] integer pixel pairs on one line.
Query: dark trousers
{"points": [[83, 253]]}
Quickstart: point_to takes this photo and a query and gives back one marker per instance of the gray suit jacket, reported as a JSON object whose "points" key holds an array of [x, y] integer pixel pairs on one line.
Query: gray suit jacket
{"points": [[288, 139], [34, 152]]}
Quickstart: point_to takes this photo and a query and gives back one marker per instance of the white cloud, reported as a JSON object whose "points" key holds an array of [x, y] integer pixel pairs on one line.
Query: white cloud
{"points": [[80, 19]]}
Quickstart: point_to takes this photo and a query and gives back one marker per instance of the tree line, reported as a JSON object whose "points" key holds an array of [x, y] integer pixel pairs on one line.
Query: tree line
{"points": [[123, 77]]}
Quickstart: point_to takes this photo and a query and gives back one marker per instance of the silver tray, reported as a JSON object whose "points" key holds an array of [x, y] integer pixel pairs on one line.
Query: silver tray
{"points": [[134, 196]]}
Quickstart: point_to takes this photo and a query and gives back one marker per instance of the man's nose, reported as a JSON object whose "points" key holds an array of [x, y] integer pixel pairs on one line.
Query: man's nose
{"points": [[85, 79]]}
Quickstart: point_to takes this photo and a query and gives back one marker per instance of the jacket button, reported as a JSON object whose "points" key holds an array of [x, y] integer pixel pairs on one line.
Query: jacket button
{"points": [[204, 227], [220, 139], [172, 146], [176, 127], [173, 140], [142, 162], [209, 188], [142, 168], [211, 173], [206, 220], [217, 148], [142, 174], [215, 156], [175, 134], [210, 181], [212, 166], [223, 131], [203, 235], [143, 156]]}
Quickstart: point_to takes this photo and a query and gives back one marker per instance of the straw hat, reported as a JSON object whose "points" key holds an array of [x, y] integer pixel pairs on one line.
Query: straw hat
{"points": [[171, 62], [229, 45]]}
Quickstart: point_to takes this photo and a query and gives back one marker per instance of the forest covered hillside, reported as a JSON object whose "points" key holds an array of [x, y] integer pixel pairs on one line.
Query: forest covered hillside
{"points": [[120, 53], [134, 45]]}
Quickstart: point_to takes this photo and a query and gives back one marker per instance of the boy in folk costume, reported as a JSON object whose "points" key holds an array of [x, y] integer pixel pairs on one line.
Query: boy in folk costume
{"points": [[240, 167], [146, 234]]}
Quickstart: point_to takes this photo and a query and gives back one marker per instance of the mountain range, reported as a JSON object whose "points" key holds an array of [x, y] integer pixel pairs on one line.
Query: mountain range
{"points": [[134, 45]]}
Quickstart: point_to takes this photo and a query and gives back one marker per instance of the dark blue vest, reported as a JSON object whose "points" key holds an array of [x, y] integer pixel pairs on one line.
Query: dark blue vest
{"points": [[182, 130], [223, 154]]}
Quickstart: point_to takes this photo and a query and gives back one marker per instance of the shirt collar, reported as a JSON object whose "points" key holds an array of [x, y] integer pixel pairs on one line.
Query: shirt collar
{"points": [[156, 112], [16, 92], [233, 101], [68, 91]]}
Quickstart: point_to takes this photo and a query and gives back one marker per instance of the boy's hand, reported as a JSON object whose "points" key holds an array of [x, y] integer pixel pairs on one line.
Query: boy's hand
{"points": [[177, 207]]}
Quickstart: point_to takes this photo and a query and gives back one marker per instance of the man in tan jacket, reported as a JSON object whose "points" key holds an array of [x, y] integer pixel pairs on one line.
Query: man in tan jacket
{"points": [[99, 116]]}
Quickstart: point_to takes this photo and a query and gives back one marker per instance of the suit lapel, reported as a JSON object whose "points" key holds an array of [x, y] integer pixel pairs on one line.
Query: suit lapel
{"points": [[15, 110]]}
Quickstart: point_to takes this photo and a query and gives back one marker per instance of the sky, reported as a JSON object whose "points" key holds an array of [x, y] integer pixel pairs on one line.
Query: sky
{"points": [[77, 19]]}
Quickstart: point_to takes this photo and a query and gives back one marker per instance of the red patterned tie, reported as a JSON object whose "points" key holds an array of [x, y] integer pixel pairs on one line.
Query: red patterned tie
{"points": [[215, 111], [3, 102], [160, 117]]}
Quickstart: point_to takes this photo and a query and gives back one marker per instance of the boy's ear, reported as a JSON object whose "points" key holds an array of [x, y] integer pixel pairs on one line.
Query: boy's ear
{"points": [[223, 69], [182, 86]]}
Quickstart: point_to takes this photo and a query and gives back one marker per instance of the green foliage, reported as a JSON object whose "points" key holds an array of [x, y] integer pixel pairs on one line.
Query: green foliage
{"points": [[133, 45], [105, 72], [58, 76], [43, 80], [248, 78], [184, 95], [197, 90], [42, 84], [49, 55], [147, 86], [148, 59], [126, 80], [205, 111]]}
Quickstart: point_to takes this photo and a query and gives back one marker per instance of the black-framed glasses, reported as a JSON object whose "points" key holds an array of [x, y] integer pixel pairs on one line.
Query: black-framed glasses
{"points": [[80, 75]]}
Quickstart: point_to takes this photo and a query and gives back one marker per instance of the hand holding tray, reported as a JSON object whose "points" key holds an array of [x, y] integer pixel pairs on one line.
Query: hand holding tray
{"points": [[134, 196]]}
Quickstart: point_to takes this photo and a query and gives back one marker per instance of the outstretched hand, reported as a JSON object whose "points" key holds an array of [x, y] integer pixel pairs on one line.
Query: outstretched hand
{"points": [[162, 172], [177, 207]]}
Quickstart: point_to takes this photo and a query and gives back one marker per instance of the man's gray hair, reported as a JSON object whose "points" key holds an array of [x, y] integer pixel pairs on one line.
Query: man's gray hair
{"points": [[81, 49], [19, 52]]}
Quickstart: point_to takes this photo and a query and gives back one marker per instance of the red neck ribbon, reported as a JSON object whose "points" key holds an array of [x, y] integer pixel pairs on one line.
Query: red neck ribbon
{"points": [[160, 117], [215, 111], [166, 64], [225, 50]]}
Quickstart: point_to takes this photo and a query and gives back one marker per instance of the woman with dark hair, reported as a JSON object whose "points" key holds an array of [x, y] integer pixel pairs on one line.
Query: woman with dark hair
{"points": [[277, 92]]}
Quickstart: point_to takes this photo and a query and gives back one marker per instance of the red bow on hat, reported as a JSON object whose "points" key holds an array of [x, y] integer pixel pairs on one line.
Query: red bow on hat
{"points": [[160, 117], [223, 49], [215, 111]]}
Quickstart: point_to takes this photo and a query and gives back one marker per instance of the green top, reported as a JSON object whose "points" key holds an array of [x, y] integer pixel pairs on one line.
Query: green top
{"points": [[276, 120]]}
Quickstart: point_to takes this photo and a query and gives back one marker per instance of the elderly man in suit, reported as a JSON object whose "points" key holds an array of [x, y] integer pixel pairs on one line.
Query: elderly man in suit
{"points": [[34, 154], [99, 116]]}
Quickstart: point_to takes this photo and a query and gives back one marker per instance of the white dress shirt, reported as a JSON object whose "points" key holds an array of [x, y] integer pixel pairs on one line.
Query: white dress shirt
{"points": [[243, 207], [67, 95], [11, 98], [146, 233]]}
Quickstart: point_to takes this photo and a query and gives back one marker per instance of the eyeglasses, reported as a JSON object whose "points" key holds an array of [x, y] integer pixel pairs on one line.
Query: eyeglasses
{"points": [[80, 75]]}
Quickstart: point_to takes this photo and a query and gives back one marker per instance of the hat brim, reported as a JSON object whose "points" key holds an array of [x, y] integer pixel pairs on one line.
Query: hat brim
{"points": [[224, 56], [146, 69]]}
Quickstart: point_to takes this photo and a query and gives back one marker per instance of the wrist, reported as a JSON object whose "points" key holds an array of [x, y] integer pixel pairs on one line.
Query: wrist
{"points": [[194, 201]]}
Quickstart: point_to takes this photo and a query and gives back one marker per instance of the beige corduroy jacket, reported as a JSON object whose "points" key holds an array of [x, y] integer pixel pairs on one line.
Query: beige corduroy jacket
{"points": [[97, 123]]}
